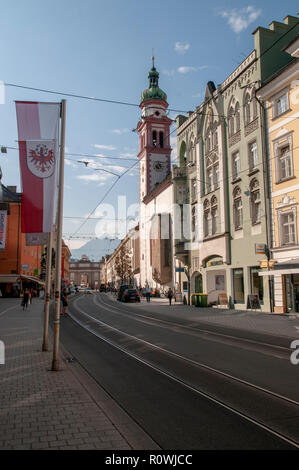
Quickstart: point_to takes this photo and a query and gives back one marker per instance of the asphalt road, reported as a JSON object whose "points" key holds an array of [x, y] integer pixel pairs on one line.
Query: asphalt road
{"points": [[186, 387]]}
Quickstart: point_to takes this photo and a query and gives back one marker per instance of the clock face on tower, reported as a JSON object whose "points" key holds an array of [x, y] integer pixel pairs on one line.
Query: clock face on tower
{"points": [[158, 166]]}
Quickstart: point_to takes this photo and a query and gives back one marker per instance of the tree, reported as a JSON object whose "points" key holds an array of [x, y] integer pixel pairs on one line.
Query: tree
{"points": [[123, 264]]}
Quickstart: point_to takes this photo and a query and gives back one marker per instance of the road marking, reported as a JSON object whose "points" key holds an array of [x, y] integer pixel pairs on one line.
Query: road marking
{"points": [[205, 395]]}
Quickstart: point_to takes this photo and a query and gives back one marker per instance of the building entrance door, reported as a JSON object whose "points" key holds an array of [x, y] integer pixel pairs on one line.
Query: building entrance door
{"points": [[198, 284]]}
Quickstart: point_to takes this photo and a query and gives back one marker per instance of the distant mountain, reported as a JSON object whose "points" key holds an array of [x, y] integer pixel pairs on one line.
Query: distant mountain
{"points": [[95, 249]]}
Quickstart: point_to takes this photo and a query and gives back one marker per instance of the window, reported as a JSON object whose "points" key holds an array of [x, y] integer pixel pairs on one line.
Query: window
{"points": [[193, 223], [214, 215], [154, 138], [253, 156], [288, 228], [212, 171], [237, 209], [238, 281], [193, 190], [281, 104], [207, 218], [247, 110], [161, 139], [231, 127], [236, 165], [255, 201], [237, 118], [285, 162]]}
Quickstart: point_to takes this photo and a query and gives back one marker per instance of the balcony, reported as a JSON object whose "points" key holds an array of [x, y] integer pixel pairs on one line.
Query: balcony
{"points": [[179, 172]]}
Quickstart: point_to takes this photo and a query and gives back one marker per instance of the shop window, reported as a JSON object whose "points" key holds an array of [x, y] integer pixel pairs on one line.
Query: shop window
{"points": [[238, 281], [257, 285]]}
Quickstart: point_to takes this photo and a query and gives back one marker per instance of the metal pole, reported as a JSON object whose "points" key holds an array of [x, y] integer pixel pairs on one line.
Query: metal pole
{"points": [[55, 361], [47, 291]]}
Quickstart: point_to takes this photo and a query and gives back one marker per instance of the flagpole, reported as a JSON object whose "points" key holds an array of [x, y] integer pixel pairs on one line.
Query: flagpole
{"points": [[55, 361], [47, 291]]}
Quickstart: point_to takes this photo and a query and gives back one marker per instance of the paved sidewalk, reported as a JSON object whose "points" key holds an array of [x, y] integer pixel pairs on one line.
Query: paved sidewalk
{"points": [[41, 409], [254, 321]]}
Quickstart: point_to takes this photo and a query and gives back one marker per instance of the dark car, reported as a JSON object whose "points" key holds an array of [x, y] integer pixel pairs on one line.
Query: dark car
{"points": [[121, 291], [130, 294]]}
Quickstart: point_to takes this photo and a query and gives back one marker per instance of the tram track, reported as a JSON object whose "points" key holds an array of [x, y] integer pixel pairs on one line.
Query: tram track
{"points": [[273, 412]]}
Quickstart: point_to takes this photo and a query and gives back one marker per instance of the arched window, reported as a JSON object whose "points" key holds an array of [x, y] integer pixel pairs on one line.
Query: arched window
{"points": [[247, 109], [231, 125], [255, 201], [161, 139], [193, 223], [214, 215], [154, 138], [237, 118], [237, 208], [207, 218]]}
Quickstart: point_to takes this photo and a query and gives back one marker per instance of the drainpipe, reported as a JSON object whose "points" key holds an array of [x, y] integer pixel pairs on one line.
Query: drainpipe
{"points": [[267, 189]]}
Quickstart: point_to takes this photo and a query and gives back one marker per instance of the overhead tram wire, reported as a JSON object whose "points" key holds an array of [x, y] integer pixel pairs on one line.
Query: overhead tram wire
{"points": [[105, 195]]}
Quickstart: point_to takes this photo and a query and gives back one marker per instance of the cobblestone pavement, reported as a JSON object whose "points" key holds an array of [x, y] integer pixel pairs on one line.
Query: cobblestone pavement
{"points": [[41, 409]]}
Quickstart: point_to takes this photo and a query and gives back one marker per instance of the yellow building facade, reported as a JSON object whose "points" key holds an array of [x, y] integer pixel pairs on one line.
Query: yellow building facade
{"points": [[280, 97]]}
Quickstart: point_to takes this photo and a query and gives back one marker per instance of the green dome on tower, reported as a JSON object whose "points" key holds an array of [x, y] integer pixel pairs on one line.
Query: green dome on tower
{"points": [[153, 92]]}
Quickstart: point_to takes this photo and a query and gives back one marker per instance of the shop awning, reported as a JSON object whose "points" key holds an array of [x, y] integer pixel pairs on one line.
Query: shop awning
{"points": [[13, 278], [8, 278], [32, 279]]}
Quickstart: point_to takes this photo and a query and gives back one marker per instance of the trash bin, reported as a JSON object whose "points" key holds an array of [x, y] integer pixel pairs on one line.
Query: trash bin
{"points": [[203, 300], [200, 300]]}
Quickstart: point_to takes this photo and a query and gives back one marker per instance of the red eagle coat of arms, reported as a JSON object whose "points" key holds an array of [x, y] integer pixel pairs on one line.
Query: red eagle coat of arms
{"points": [[41, 158]]}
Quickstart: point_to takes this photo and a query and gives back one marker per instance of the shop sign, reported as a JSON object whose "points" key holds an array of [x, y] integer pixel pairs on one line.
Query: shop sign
{"points": [[25, 267], [264, 264], [260, 248]]}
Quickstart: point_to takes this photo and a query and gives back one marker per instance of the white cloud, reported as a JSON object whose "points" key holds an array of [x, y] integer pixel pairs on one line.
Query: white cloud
{"points": [[104, 147], [121, 131], [181, 48], [190, 68], [239, 20]]}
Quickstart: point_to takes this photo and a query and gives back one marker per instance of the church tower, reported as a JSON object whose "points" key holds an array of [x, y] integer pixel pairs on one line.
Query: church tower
{"points": [[154, 138]]}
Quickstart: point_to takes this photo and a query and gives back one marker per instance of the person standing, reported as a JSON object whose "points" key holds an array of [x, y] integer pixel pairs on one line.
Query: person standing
{"points": [[26, 299], [170, 295], [148, 294]]}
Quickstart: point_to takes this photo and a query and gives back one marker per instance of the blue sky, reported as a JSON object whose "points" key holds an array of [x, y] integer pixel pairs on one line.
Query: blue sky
{"points": [[103, 48]]}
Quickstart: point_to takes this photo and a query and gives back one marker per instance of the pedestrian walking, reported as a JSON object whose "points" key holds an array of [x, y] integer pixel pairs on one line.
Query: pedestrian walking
{"points": [[25, 299], [148, 294], [170, 295], [64, 300]]}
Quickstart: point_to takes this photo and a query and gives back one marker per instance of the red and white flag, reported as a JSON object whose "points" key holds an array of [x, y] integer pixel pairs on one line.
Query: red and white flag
{"points": [[38, 129]]}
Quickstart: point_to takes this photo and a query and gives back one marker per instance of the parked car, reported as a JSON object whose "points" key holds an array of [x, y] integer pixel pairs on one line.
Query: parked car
{"points": [[130, 294]]}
